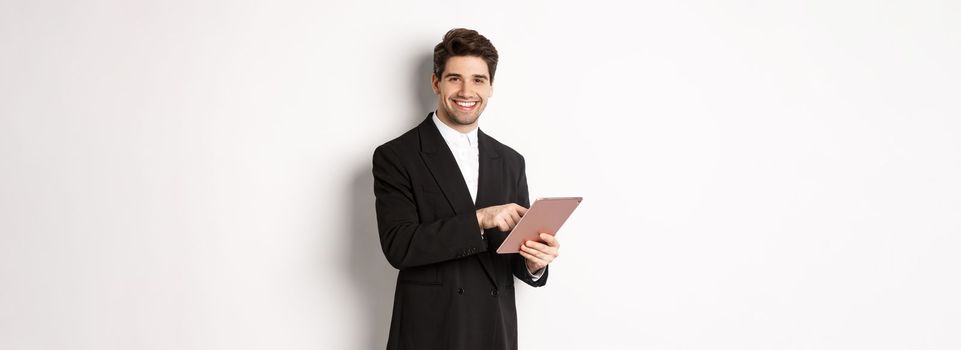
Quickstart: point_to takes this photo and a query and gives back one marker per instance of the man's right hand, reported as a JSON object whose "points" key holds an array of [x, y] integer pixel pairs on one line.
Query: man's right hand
{"points": [[503, 217]]}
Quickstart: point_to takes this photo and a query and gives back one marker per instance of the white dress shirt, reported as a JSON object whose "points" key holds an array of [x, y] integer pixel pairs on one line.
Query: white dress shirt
{"points": [[467, 155]]}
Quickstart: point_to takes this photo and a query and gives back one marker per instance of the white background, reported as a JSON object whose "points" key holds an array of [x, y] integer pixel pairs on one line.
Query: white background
{"points": [[196, 174]]}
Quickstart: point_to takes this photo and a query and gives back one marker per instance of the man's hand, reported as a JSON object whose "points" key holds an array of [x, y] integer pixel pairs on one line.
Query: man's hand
{"points": [[503, 217], [538, 254]]}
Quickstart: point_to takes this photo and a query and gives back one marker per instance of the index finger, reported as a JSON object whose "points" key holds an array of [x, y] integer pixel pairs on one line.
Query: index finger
{"points": [[520, 209]]}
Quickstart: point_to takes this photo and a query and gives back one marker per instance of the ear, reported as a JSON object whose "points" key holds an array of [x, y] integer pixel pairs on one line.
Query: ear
{"points": [[433, 83]]}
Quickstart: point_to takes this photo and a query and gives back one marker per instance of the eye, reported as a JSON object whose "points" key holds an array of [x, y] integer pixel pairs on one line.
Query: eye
{"points": [[479, 81]]}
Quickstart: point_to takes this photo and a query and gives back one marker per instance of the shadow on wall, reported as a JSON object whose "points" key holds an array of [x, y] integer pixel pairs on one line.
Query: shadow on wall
{"points": [[373, 276], [425, 98]]}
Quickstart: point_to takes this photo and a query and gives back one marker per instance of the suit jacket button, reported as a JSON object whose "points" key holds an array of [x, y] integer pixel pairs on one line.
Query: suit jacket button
{"points": [[494, 292], [460, 291]]}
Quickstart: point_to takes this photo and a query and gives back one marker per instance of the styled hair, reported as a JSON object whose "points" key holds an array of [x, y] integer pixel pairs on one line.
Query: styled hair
{"points": [[464, 42]]}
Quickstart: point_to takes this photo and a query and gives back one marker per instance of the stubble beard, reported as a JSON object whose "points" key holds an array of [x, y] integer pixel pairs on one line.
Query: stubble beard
{"points": [[456, 117]]}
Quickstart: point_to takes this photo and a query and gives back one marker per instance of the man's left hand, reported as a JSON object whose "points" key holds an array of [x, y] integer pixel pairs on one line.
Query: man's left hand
{"points": [[538, 254]]}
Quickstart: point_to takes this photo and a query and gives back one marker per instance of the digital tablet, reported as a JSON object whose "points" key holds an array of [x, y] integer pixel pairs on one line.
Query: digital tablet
{"points": [[545, 216]]}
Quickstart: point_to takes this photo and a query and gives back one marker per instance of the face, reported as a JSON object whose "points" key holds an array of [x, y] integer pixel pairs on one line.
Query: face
{"points": [[462, 91]]}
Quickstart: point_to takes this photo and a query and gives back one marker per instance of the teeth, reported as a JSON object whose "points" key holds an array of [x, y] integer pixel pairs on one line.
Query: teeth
{"points": [[466, 104]]}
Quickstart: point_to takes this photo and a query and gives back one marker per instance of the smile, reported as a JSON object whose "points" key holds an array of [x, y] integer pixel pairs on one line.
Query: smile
{"points": [[466, 105]]}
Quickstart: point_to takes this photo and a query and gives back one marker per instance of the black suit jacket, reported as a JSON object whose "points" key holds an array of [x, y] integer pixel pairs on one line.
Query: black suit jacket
{"points": [[453, 290]]}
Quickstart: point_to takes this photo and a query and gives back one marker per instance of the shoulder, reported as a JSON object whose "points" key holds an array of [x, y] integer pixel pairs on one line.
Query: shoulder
{"points": [[404, 144], [504, 150]]}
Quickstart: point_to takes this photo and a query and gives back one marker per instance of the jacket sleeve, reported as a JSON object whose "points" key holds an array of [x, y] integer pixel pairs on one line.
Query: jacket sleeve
{"points": [[406, 241], [518, 264]]}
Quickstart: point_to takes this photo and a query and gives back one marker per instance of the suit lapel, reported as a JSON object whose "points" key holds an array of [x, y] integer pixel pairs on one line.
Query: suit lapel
{"points": [[443, 167], [440, 161], [490, 166]]}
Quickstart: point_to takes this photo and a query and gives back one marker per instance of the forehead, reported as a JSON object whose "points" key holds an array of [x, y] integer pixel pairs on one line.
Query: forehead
{"points": [[466, 65]]}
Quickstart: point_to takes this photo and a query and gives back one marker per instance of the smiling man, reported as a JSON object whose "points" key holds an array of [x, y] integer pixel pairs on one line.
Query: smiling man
{"points": [[447, 194]]}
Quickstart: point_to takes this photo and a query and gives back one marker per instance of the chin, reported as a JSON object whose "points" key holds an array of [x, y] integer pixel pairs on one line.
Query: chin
{"points": [[459, 118], [467, 121]]}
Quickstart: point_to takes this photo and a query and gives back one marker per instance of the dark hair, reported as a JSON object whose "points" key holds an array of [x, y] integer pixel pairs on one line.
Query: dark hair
{"points": [[464, 42]]}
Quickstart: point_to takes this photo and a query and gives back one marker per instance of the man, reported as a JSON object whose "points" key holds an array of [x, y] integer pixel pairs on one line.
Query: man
{"points": [[447, 193]]}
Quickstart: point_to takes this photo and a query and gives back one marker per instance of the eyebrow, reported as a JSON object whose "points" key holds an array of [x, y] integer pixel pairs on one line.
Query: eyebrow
{"points": [[482, 76]]}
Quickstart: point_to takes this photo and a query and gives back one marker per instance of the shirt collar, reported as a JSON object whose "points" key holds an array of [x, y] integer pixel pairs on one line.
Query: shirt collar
{"points": [[452, 136]]}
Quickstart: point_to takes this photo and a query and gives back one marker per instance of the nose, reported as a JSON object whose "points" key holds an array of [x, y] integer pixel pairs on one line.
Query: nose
{"points": [[464, 90]]}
